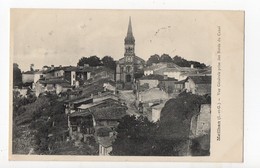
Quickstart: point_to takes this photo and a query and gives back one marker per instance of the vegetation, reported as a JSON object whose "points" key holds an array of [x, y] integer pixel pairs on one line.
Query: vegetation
{"points": [[138, 137], [170, 137], [17, 75], [177, 60], [43, 117], [177, 113], [94, 61]]}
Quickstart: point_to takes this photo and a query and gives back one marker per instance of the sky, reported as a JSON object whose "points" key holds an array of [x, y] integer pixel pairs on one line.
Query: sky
{"points": [[62, 37]]}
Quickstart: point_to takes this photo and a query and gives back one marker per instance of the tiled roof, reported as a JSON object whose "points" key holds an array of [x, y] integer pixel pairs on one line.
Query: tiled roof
{"points": [[201, 79], [54, 81], [112, 113], [106, 113], [28, 72], [169, 79], [152, 77]]}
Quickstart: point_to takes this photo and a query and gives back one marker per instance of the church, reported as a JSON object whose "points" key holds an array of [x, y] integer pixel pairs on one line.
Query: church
{"points": [[130, 66]]}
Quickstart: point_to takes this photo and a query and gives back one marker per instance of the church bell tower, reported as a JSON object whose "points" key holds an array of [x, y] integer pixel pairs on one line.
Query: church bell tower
{"points": [[129, 53]]}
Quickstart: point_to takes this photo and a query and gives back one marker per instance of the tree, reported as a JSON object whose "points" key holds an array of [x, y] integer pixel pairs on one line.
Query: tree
{"points": [[91, 61], [184, 63], [134, 136], [153, 59], [165, 58], [177, 113], [109, 62], [17, 75], [137, 136]]}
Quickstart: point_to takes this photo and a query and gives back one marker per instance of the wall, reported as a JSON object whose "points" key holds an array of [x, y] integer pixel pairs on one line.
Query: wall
{"points": [[104, 151], [190, 86], [151, 83], [156, 114], [175, 75], [27, 78], [200, 124]]}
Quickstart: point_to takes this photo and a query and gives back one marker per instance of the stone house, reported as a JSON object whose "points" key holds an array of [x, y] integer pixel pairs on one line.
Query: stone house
{"points": [[167, 84], [91, 122], [57, 85], [152, 81], [103, 72], [200, 85]]}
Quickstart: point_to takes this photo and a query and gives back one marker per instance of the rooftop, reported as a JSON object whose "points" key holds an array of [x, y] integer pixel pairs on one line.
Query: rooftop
{"points": [[201, 79], [152, 77], [106, 113]]}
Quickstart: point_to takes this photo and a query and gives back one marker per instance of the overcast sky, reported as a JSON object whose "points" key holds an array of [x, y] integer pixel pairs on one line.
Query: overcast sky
{"points": [[62, 37]]}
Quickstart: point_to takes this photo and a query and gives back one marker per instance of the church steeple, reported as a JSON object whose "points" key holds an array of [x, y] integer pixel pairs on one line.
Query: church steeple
{"points": [[129, 37]]}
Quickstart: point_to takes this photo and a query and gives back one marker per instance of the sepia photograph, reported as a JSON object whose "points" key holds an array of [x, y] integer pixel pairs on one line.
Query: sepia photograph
{"points": [[118, 82]]}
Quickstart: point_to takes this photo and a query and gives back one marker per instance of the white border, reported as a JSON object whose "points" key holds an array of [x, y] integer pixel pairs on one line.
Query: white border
{"points": [[252, 81]]}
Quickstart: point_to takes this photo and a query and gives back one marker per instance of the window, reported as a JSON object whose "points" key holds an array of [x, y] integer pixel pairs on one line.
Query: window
{"points": [[128, 68]]}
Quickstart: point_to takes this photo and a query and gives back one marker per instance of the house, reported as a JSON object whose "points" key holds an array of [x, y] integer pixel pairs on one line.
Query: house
{"points": [[57, 85], [200, 85], [167, 84], [152, 81], [37, 76], [28, 77], [87, 122], [83, 73], [54, 72], [156, 112], [105, 140], [70, 75], [103, 72], [179, 86], [72, 105], [155, 69]]}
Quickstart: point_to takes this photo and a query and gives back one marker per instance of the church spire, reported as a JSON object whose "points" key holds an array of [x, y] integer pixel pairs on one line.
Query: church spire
{"points": [[129, 37], [129, 31]]}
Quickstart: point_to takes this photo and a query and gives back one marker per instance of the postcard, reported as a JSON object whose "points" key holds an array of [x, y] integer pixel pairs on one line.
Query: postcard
{"points": [[126, 85]]}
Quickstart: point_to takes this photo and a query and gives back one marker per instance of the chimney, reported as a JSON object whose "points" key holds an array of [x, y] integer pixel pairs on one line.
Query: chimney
{"points": [[60, 66], [191, 66], [52, 66], [165, 77]]}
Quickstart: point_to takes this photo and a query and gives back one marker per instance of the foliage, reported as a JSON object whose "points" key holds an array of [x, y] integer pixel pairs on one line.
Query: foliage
{"points": [[177, 60], [133, 134], [184, 63], [153, 59], [91, 61], [109, 62], [138, 137], [165, 58], [200, 146], [176, 115], [17, 75]]}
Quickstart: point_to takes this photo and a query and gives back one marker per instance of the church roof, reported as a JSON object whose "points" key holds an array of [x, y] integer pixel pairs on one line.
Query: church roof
{"points": [[129, 39]]}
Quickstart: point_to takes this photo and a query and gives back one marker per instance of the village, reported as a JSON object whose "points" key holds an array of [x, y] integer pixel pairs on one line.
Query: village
{"points": [[97, 98]]}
